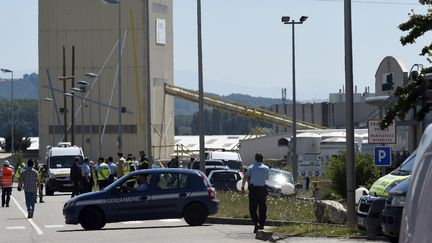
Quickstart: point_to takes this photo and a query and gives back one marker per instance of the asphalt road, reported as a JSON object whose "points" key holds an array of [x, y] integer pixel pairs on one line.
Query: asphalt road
{"points": [[48, 226]]}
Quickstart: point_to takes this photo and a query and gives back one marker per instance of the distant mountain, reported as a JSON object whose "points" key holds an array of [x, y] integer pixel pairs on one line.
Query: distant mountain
{"points": [[26, 87]]}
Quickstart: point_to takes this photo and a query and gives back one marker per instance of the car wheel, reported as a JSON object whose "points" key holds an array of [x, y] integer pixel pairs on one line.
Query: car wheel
{"points": [[92, 219], [195, 214]]}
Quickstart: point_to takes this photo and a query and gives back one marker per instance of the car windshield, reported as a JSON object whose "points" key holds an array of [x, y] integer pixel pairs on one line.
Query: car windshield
{"points": [[62, 161], [234, 164], [406, 167], [281, 177]]}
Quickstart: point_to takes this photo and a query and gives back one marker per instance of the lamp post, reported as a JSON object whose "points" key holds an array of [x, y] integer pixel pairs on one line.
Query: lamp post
{"points": [[93, 76], [71, 94], [201, 91], [83, 84], [64, 78], [286, 20], [5, 70], [120, 141], [52, 120]]}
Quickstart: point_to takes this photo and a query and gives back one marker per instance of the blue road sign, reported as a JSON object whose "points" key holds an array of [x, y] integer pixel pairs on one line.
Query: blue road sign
{"points": [[382, 156]]}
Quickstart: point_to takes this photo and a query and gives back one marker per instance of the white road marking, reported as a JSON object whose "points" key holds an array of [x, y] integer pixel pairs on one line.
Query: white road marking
{"points": [[15, 227], [170, 220], [35, 227], [133, 222], [54, 226]]}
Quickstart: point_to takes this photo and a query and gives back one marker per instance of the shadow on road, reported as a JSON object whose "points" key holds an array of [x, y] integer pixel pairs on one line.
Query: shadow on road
{"points": [[129, 228]]}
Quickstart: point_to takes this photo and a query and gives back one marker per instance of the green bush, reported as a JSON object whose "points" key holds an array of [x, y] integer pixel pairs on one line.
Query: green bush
{"points": [[366, 172]]}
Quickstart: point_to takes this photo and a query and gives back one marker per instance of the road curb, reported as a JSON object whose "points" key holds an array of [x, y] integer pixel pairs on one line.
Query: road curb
{"points": [[240, 221]]}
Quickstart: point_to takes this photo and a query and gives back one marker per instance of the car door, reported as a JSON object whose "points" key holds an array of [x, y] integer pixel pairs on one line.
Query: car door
{"points": [[126, 202], [171, 191], [224, 180]]}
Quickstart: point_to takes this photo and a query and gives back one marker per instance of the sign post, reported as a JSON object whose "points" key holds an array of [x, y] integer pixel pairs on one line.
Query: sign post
{"points": [[382, 156]]}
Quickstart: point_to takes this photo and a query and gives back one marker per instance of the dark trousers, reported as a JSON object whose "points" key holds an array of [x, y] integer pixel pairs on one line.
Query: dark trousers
{"points": [[86, 185], [102, 184], [6, 193], [257, 200], [41, 187], [76, 188]]}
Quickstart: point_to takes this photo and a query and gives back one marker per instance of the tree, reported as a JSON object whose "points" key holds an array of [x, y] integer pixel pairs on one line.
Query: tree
{"points": [[366, 172], [411, 95]]}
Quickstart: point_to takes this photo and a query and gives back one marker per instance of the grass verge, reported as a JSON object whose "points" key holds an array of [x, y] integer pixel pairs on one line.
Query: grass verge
{"points": [[236, 205], [316, 230]]}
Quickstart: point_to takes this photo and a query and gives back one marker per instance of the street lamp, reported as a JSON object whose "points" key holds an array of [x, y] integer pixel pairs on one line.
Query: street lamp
{"points": [[52, 120], [64, 78], [5, 70], [93, 76], [82, 89], [286, 20], [71, 94], [120, 142]]}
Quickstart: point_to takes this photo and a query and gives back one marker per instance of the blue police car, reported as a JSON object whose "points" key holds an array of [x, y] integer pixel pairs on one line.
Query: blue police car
{"points": [[146, 195]]}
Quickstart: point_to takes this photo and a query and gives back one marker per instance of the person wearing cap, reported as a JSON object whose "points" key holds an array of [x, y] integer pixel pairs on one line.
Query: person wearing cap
{"points": [[102, 173], [86, 176], [6, 183], [75, 177], [30, 180]]}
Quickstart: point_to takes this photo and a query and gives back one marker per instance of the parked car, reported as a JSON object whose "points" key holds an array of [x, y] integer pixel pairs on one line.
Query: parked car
{"points": [[371, 206], [230, 159], [168, 193], [210, 168], [416, 224], [391, 215], [224, 180], [277, 179]]}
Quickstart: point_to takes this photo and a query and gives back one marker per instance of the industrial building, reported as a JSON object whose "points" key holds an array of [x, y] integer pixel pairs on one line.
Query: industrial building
{"points": [[82, 37]]}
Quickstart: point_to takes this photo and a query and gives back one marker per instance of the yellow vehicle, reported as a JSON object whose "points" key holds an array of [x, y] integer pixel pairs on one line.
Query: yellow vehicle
{"points": [[383, 185]]}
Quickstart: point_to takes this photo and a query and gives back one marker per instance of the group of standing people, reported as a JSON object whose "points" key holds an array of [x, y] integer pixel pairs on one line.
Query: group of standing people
{"points": [[104, 172], [29, 179]]}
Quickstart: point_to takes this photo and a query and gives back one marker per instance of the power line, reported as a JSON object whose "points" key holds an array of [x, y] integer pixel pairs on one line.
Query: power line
{"points": [[371, 2]]}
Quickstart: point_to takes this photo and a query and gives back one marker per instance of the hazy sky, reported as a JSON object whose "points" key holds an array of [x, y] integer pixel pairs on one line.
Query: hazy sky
{"points": [[247, 49]]}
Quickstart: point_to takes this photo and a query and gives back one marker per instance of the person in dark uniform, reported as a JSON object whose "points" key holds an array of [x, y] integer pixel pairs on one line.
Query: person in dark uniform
{"points": [[174, 163], [256, 175], [75, 177]]}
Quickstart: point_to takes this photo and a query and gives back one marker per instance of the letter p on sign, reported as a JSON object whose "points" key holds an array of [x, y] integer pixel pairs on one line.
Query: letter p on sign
{"points": [[382, 156]]}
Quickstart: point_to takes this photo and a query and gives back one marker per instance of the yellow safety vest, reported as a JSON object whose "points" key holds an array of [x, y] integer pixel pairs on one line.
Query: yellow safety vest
{"points": [[103, 172], [126, 168]]}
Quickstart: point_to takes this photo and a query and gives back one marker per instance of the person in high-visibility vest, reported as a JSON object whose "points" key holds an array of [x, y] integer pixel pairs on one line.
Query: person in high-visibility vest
{"points": [[19, 170], [6, 183], [102, 173], [128, 167]]}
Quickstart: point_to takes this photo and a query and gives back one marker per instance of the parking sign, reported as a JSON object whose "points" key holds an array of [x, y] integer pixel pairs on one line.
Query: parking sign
{"points": [[382, 156]]}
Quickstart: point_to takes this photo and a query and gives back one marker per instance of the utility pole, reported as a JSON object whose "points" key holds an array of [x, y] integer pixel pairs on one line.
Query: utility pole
{"points": [[350, 166]]}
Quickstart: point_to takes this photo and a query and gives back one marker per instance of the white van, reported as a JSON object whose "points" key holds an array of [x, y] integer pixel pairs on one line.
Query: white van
{"points": [[59, 160], [230, 159], [416, 225]]}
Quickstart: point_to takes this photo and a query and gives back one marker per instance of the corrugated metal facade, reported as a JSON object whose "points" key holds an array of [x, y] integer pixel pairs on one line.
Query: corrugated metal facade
{"points": [[92, 28]]}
